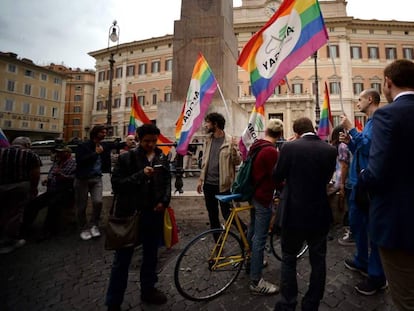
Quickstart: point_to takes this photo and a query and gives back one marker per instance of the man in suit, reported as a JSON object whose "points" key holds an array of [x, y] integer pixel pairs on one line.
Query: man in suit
{"points": [[366, 259], [390, 179], [305, 165]]}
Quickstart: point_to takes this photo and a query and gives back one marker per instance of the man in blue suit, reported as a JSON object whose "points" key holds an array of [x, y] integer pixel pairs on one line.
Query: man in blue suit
{"points": [[390, 180], [305, 166]]}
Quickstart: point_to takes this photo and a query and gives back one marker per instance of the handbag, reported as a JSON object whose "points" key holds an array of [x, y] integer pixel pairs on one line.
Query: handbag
{"points": [[121, 231]]}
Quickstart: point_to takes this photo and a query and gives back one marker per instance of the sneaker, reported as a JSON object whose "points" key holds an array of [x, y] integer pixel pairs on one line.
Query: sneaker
{"points": [[154, 296], [86, 235], [95, 232], [11, 245], [349, 264], [347, 239], [370, 287], [263, 288]]}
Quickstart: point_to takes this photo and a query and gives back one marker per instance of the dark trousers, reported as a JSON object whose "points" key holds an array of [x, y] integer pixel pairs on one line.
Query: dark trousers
{"points": [[150, 236], [56, 202], [292, 241]]}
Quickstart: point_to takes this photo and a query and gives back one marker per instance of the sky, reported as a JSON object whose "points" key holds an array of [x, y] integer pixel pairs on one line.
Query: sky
{"points": [[63, 32]]}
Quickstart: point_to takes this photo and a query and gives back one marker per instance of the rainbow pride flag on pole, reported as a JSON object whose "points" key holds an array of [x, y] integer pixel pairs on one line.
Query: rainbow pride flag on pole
{"points": [[253, 131], [139, 117], [293, 33], [202, 87], [326, 120]]}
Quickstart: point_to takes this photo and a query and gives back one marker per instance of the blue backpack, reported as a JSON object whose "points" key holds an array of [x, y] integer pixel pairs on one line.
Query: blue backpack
{"points": [[243, 184]]}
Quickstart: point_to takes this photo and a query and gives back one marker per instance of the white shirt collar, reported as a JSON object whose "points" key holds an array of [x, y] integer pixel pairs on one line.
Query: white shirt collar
{"points": [[403, 93]]}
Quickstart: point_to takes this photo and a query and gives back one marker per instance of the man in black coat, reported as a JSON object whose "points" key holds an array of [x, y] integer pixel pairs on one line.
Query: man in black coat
{"points": [[141, 182], [305, 166]]}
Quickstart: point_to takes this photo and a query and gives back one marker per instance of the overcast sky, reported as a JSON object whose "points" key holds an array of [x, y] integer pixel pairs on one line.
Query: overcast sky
{"points": [[63, 32]]}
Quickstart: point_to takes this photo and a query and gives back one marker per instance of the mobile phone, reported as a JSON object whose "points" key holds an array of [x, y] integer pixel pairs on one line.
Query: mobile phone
{"points": [[157, 167]]}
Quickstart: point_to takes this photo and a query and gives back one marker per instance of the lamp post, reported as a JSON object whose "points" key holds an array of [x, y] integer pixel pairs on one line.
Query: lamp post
{"points": [[113, 35], [317, 108]]}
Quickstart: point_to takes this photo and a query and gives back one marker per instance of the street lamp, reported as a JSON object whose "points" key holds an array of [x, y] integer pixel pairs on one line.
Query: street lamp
{"points": [[113, 35], [317, 108]]}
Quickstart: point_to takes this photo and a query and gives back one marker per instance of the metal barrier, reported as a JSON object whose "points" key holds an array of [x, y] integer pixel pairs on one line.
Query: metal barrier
{"points": [[176, 166]]}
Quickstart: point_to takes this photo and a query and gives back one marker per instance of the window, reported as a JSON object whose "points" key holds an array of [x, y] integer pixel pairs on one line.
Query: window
{"points": [[333, 51], [167, 97], [334, 87], [8, 106], [356, 52], [276, 116], [55, 95], [117, 103], [128, 102], [376, 86], [25, 124], [118, 72], [78, 98], [40, 126], [408, 53], [101, 76], [43, 77], [7, 123], [373, 52], [131, 71], [41, 111], [54, 112], [75, 121], [168, 65], [57, 80], [155, 67], [358, 88], [11, 68], [141, 100], [42, 92], [26, 108], [10, 85], [391, 53], [27, 89], [99, 105], [78, 77], [54, 127], [29, 73], [77, 109], [78, 88], [297, 88], [154, 99], [278, 90], [142, 70]]}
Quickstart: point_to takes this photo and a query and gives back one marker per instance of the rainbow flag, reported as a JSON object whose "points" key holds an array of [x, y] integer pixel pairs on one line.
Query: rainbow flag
{"points": [[139, 117], [326, 120], [202, 87], [253, 131], [4, 142], [294, 32]]}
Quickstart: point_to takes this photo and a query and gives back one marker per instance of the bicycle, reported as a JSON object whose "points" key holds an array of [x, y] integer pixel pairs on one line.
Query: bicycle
{"points": [[212, 261]]}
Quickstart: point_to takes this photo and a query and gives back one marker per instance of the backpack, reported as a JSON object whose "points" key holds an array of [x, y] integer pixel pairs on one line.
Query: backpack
{"points": [[243, 184]]}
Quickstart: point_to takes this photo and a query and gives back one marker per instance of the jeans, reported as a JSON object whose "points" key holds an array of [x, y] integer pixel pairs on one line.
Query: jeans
{"points": [[257, 236], [82, 187], [292, 241], [358, 223], [150, 235]]}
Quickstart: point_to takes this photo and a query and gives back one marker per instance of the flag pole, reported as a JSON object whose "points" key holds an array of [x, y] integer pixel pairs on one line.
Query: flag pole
{"points": [[225, 107], [336, 78]]}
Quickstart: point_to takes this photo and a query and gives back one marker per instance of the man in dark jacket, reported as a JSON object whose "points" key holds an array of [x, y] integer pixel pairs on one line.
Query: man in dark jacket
{"points": [[306, 166], [265, 157], [93, 158], [141, 181]]}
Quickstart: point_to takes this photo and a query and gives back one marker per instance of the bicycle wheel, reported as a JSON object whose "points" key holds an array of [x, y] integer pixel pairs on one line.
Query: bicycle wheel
{"points": [[201, 275], [277, 249]]}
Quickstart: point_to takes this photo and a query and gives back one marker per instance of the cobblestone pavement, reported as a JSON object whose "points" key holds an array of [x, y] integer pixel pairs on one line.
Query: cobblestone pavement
{"points": [[65, 273]]}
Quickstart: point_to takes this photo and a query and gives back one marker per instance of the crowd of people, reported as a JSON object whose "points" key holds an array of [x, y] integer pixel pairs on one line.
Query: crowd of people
{"points": [[305, 170]]}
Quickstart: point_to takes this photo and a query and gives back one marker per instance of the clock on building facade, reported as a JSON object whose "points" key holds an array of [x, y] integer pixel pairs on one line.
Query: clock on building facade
{"points": [[271, 7]]}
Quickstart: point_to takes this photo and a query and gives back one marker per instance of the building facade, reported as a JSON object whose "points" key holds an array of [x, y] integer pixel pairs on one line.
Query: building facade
{"points": [[31, 99], [354, 60], [79, 99]]}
